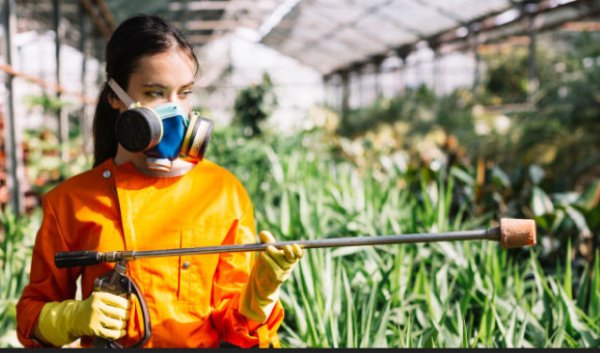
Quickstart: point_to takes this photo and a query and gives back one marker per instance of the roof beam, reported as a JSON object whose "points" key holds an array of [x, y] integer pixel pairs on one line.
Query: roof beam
{"points": [[491, 33], [97, 17], [199, 38], [442, 11], [107, 15], [216, 24], [333, 32], [199, 5], [181, 14], [487, 24]]}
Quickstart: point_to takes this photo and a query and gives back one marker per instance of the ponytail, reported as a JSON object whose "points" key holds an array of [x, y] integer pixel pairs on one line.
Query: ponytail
{"points": [[103, 127]]}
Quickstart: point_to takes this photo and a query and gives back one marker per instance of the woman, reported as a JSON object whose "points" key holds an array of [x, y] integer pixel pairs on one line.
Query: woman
{"points": [[148, 199]]}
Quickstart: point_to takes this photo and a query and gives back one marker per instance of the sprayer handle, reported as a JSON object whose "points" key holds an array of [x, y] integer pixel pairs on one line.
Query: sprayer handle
{"points": [[76, 258]]}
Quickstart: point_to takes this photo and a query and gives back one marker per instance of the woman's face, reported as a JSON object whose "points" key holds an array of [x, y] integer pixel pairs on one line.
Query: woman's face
{"points": [[166, 77]]}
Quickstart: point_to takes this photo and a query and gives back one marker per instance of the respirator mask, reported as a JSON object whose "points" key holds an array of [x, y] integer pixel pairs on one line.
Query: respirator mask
{"points": [[163, 133]]}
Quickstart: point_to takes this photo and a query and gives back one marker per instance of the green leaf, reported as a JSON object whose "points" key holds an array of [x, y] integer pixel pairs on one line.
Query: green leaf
{"points": [[462, 175], [350, 317], [500, 177], [536, 174], [594, 307], [520, 340], [540, 202], [568, 277], [509, 335], [487, 325], [579, 220], [408, 332], [380, 340], [589, 199]]}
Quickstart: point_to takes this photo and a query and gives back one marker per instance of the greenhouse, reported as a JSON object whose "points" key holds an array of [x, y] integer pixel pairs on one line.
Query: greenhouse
{"points": [[428, 170]]}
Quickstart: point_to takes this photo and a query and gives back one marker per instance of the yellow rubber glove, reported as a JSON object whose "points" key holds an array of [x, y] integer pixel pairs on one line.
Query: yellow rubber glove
{"points": [[271, 268], [102, 314]]}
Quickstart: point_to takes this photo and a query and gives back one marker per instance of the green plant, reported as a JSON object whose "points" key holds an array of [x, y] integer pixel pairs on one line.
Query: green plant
{"points": [[16, 241], [48, 104], [254, 104], [461, 294]]}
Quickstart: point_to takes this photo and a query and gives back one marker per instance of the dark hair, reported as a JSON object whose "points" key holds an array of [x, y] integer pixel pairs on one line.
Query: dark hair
{"points": [[138, 36]]}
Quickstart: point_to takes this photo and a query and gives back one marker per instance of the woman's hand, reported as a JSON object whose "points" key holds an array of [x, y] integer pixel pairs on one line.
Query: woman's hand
{"points": [[102, 314], [271, 268]]}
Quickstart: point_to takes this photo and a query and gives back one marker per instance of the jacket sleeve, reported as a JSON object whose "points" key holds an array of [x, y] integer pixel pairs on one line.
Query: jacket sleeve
{"points": [[47, 283], [232, 274]]}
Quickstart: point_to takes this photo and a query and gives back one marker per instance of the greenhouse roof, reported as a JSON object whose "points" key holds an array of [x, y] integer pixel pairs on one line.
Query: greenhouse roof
{"points": [[332, 35], [328, 35], [201, 21]]}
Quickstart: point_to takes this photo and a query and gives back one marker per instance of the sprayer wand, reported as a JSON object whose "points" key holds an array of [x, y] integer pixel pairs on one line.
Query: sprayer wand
{"points": [[511, 233]]}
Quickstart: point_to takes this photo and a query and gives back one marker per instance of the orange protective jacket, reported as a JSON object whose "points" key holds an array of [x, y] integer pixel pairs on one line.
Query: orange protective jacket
{"points": [[192, 300]]}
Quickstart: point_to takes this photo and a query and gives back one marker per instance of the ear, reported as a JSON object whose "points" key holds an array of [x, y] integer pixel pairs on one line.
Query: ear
{"points": [[115, 102]]}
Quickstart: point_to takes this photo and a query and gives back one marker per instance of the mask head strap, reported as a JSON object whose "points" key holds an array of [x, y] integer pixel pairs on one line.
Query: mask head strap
{"points": [[123, 96]]}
